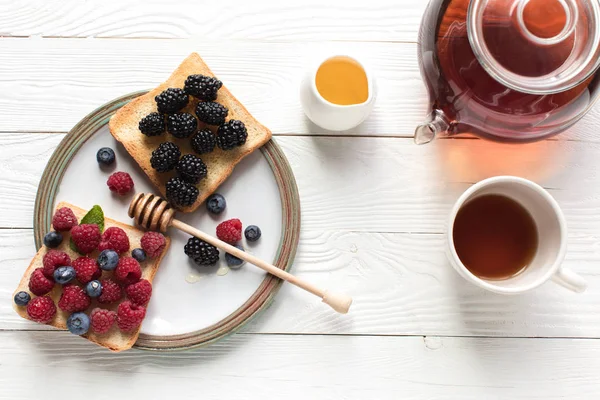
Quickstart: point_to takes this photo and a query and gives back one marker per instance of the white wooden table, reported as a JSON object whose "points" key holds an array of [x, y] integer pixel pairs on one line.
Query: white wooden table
{"points": [[373, 209]]}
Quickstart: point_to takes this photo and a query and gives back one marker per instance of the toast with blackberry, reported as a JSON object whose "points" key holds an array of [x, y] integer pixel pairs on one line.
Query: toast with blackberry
{"points": [[188, 134]]}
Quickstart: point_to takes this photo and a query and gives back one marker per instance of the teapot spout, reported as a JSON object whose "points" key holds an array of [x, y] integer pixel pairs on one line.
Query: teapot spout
{"points": [[435, 125]]}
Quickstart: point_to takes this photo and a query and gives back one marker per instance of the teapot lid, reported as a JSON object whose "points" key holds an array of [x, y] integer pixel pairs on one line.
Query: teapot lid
{"points": [[536, 46]]}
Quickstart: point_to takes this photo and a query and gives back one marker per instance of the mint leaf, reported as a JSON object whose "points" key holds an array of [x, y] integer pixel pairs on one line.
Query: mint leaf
{"points": [[94, 216]]}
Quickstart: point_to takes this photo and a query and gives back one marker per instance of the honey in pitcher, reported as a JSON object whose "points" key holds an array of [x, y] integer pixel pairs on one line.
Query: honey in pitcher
{"points": [[471, 98], [342, 81]]}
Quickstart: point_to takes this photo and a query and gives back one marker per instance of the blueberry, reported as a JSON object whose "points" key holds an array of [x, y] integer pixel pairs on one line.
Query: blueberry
{"points": [[53, 239], [252, 233], [108, 260], [93, 289], [22, 298], [105, 156], [64, 275], [78, 323], [233, 261], [139, 255], [216, 203]]}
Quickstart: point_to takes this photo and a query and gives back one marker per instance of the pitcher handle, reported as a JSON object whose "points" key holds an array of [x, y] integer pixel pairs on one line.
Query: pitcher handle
{"points": [[570, 280], [436, 124]]}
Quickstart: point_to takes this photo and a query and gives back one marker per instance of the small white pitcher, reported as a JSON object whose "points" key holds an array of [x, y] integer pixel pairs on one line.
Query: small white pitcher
{"points": [[331, 116]]}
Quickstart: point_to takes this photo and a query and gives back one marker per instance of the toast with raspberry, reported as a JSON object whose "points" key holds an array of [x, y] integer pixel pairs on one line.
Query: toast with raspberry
{"points": [[115, 340], [220, 164]]}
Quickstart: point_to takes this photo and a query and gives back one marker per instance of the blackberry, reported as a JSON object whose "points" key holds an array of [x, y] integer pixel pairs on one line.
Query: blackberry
{"points": [[201, 252], [202, 87], [181, 125], [231, 134], [204, 141], [191, 168], [181, 193], [171, 100], [211, 113], [152, 124], [165, 157]]}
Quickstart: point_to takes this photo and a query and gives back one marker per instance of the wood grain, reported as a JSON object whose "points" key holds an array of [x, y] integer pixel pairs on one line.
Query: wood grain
{"points": [[384, 184], [48, 85], [401, 285], [301, 367], [388, 20]]}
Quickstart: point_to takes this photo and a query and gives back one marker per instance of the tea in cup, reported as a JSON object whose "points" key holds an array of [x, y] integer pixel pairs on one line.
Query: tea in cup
{"points": [[508, 235]]}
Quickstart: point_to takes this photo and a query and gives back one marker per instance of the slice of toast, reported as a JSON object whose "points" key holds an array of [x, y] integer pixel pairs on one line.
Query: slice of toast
{"points": [[114, 340], [124, 127]]}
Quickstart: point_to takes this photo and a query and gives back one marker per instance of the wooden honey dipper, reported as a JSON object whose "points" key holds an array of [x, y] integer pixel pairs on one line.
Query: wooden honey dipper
{"points": [[154, 213]]}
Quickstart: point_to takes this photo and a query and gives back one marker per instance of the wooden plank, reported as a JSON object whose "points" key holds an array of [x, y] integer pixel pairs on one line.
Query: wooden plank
{"points": [[301, 367], [388, 20], [50, 84], [384, 184], [401, 285]]}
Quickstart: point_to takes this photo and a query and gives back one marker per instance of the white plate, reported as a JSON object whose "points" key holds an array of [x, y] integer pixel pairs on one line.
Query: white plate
{"points": [[190, 304]]}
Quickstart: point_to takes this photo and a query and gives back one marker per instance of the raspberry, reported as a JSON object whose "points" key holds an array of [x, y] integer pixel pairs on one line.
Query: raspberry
{"points": [[120, 183], [86, 269], [102, 320], [54, 259], [86, 237], [128, 270], [139, 293], [64, 219], [41, 309], [39, 284], [153, 243], [114, 238], [130, 316], [230, 231], [73, 299], [111, 292]]}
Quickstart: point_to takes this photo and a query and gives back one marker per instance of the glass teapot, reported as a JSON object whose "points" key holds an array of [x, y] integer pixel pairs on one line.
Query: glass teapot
{"points": [[512, 70]]}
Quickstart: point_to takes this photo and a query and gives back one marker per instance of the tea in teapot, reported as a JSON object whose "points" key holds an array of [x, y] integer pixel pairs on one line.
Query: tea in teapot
{"points": [[512, 70]]}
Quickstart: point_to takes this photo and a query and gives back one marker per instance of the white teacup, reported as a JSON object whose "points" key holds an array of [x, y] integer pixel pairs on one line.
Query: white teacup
{"points": [[331, 116], [552, 237]]}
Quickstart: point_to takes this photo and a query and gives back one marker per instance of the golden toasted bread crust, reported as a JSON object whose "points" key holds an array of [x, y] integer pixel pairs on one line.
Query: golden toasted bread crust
{"points": [[124, 127], [114, 340]]}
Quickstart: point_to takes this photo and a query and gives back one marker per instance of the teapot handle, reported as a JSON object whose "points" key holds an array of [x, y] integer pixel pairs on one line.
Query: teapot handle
{"points": [[436, 124]]}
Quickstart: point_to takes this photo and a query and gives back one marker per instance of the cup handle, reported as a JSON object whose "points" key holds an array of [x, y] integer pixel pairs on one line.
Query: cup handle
{"points": [[570, 280]]}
